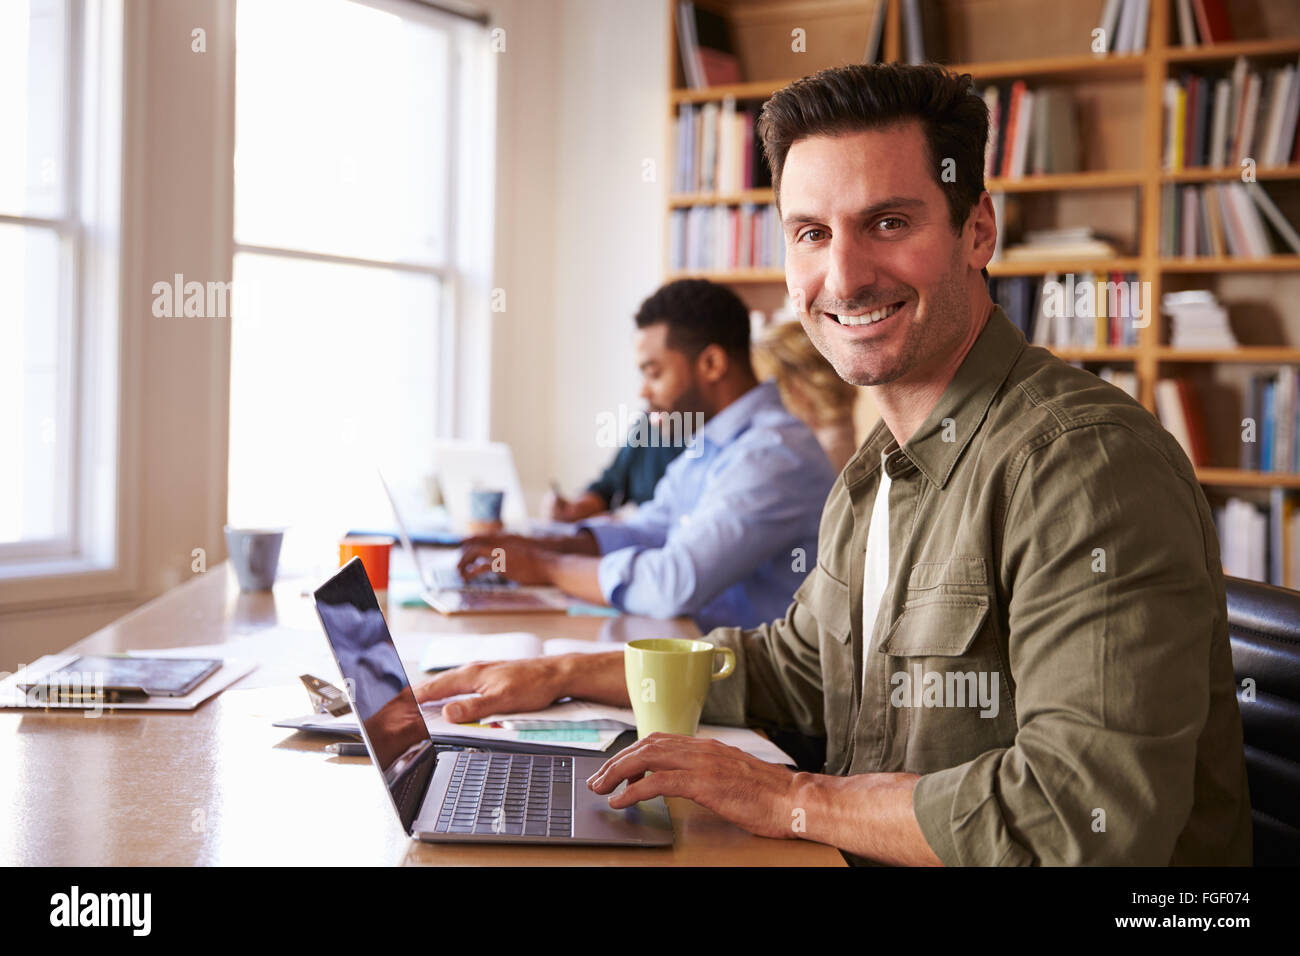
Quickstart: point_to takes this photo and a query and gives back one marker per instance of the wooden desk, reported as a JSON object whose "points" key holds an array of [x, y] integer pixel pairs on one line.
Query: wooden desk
{"points": [[220, 785]]}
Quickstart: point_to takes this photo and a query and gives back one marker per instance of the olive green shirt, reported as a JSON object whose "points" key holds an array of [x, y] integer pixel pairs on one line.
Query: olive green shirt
{"points": [[1051, 651]]}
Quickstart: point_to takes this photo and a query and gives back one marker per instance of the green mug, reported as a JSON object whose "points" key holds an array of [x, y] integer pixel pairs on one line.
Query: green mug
{"points": [[668, 680]]}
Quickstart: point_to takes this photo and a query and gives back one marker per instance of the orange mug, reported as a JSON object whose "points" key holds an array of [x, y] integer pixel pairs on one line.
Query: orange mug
{"points": [[373, 552]]}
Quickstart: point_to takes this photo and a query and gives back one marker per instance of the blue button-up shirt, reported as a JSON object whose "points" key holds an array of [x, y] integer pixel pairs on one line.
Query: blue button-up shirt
{"points": [[732, 529]]}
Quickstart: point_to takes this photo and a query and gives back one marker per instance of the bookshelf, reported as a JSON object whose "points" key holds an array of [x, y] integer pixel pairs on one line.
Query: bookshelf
{"points": [[1120, 99]]}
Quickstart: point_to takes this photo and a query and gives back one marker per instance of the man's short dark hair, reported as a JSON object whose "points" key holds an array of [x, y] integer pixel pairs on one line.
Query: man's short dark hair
{"points": [[699, 313], [849, 99]]}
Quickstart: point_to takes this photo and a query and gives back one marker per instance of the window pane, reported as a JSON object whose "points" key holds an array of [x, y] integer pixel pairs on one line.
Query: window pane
{"points": [[340, 130], [331, 377], [33, 110], [34, 386]]}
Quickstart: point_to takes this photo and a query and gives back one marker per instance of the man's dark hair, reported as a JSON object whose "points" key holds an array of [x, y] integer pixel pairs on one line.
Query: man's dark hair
{"points": [[699, 313], [848, 99]]}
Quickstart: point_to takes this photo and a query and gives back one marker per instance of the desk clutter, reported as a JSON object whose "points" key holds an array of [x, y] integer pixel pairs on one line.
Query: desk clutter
{"points": [[172, 679], [569, 726]]}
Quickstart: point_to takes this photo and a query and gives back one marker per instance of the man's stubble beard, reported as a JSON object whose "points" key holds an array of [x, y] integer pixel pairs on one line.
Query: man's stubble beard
{"points": [[946, 316], [688, 402]]}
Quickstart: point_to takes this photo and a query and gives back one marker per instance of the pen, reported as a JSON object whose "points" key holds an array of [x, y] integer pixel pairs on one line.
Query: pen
{"points": [[347, 750]]}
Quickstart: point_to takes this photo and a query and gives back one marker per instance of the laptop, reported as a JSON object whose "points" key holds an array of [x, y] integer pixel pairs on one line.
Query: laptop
{"points": [[444, 590], [462, 466], [450, 795]]}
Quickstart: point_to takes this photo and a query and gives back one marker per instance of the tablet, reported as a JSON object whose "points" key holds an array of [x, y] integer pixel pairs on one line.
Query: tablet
{"points": [[139, 676]]}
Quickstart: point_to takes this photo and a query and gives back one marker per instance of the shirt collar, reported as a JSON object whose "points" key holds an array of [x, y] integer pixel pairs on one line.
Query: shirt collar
{"points": [[736, 417], [934, 448]]}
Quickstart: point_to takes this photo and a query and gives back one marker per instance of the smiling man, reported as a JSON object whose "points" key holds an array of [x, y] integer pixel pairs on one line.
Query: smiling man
{"points": [[1015, 638]]}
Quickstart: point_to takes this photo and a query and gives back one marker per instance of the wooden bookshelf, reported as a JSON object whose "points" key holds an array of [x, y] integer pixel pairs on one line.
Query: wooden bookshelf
{"points": [[1118, 191]]}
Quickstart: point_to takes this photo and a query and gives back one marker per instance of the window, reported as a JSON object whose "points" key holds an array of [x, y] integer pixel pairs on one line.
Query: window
{"points": [[363, 173], [60, 187]]}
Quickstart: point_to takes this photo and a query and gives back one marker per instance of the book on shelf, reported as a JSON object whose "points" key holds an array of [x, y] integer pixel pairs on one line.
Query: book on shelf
{"points": [[1125, 379], [924, 33], [1273, 443], [1261, 542], [725, 238], [1030, 131], [873, 51], [717, 150], [1197, 320], [1088, 311], [1202, 21], [1223, 219], [704, 45], [1216, 120], [1180, 412], [1076, 242], [1124, 25]]}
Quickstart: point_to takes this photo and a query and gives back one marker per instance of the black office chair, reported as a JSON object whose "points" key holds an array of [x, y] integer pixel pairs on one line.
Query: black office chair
{"points": [[1264, 628]]}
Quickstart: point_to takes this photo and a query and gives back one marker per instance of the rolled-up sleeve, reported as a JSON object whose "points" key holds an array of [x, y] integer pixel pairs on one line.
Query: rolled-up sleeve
{"points": [[1111, 613], [777, 681]]}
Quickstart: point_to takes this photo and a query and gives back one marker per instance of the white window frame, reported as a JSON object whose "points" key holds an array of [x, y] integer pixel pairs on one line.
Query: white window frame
{"points": [[98, 558], [464, 347]]}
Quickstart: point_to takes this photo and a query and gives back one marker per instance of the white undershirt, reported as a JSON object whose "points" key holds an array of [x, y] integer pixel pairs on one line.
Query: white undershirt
{"points": [[876, 574]]}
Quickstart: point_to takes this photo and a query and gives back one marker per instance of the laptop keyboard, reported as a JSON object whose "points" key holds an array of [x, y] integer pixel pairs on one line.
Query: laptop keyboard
{"points": [[509, 794], [449, 579]]}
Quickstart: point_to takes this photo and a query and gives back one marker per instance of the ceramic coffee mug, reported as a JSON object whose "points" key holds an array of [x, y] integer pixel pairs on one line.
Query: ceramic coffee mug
{"points": [[485, 511], [668, 680], [255, 554], [374, 551]]}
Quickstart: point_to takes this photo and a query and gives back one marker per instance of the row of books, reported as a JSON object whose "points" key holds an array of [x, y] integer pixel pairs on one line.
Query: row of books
{"points": [[1090, 310], [1030, 131], [1180, 412], [1261, 543], [1270, 429], [1272, 403], [704, 46], [719, 238], [1222, 121], [717, 150], [1223, 219], [1124, 25], [1203, 21]]}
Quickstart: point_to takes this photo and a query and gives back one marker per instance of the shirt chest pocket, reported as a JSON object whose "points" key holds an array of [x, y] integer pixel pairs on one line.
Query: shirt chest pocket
{"points": [[946, 689]]}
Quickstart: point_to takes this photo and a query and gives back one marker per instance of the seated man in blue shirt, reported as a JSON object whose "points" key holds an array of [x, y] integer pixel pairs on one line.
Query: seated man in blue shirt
{"points": [[732, 529]]}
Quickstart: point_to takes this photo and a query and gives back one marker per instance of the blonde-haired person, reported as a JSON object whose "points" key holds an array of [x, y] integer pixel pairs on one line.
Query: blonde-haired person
{"points": [[810, 387]]}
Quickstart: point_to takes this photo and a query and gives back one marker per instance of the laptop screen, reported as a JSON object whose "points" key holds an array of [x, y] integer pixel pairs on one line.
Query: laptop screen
{"points": [[376, 683]]}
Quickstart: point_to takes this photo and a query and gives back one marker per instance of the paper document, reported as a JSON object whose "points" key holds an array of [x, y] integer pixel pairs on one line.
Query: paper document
{"points": [[566, 737], [585, 713]]}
